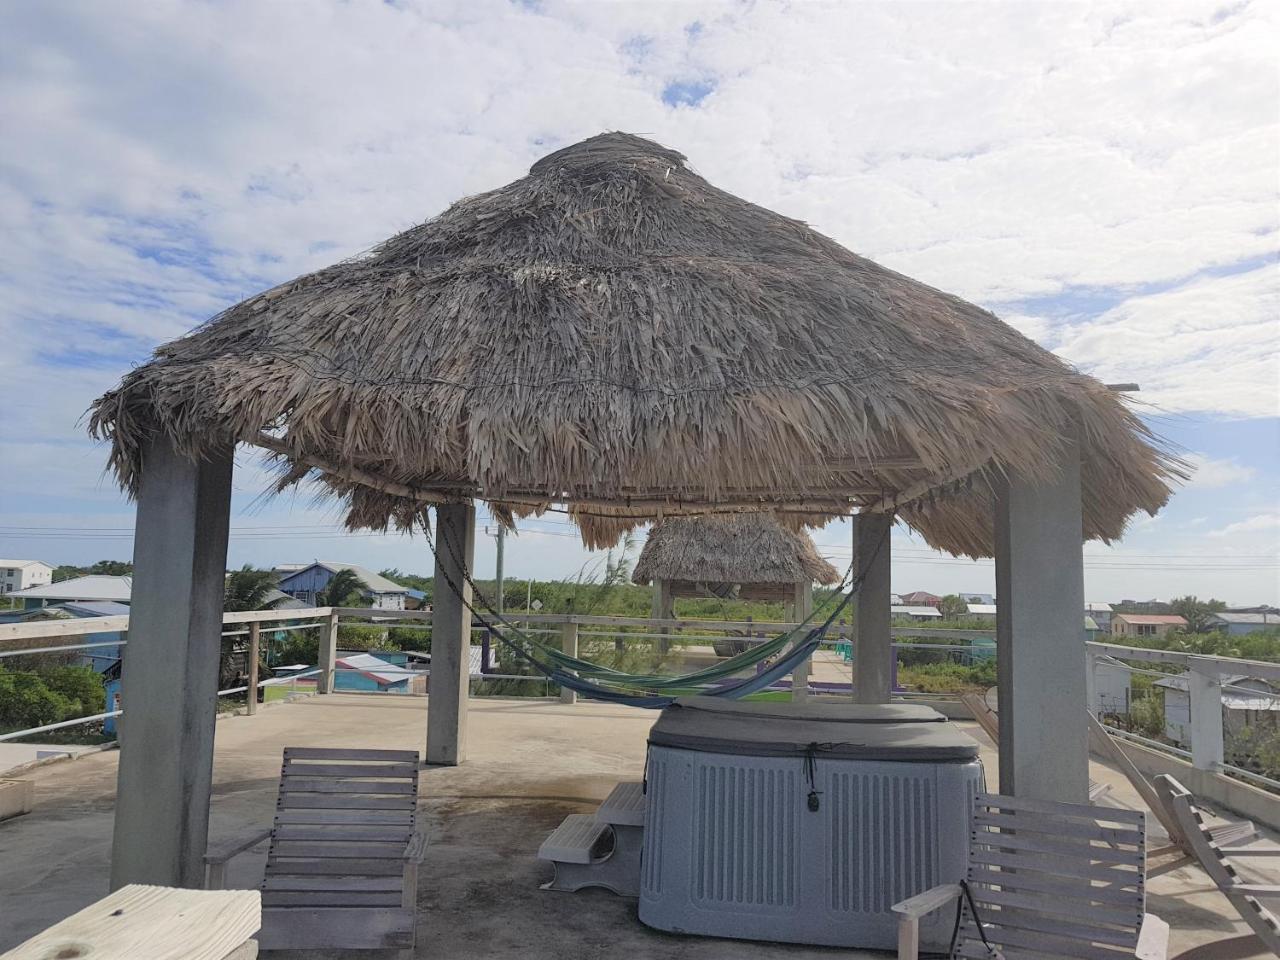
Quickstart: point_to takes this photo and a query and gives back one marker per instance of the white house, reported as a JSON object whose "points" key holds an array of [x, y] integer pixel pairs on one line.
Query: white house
{"points": [[982, 611], [1246, 701], [1100, 613], [915, 612], [18, 575]]}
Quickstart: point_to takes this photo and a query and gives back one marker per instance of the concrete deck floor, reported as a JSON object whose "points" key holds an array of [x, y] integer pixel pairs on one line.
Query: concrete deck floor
{"points": [[529, 763]]}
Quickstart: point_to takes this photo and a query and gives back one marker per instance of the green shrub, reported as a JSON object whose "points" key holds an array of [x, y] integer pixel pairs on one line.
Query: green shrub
{"points": [[82, 687], [26, 701]]}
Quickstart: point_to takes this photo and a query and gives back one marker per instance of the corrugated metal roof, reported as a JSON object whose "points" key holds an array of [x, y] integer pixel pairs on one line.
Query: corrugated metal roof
{"points": [[24, 563], [375, 667], [93, 587], [1261, 619], [1153, 618], [911, 611]]}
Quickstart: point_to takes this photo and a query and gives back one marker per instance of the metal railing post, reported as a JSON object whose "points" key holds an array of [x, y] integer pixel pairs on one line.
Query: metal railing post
{"points": [[569, 644], [1206, 716], [255, 638]]}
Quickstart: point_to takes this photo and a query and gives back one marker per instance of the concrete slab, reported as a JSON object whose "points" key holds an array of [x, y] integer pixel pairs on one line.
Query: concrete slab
{"points": [[530, 762]]}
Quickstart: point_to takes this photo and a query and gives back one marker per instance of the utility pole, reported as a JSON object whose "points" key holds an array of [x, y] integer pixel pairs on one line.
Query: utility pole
{"points": [[499, 534], [502, 539]]}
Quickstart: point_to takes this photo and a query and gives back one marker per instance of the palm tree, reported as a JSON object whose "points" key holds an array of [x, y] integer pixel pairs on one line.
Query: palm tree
{"points": [[340, 591], [248, 589]]}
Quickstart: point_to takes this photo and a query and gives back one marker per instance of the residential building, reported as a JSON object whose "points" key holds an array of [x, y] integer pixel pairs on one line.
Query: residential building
{"points": [[18, 575], [1238, 624], [1144, 624], [915, 612], [1100, 613], [981, 611], [307, 583], [94, 587], [979, 598], [1246, 702], [920, 598]]}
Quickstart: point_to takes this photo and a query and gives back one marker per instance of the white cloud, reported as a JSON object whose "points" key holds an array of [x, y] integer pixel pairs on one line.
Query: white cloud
{"points": [[1211, 345], [162, 161], [1256, 524], [1210, 473]]}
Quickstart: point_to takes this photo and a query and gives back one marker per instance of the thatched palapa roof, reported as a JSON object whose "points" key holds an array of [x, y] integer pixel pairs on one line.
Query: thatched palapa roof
{"points": [[738, 549], [615, 333]]}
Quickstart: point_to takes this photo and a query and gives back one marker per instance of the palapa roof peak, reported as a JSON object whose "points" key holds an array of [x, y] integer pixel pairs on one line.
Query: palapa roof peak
{"points": [[615, 333], [737, 549]]}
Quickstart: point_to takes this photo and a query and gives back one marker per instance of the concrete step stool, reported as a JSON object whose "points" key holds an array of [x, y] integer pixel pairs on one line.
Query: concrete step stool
{"points": [[600, 850]]}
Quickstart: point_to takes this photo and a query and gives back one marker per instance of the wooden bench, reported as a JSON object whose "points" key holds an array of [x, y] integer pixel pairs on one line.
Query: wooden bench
{"points": [[142, 922], [600, 849], [342, 868]]}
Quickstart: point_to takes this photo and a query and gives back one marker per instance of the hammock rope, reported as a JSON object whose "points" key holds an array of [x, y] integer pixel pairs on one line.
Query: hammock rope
{"points": [[638, 683]]}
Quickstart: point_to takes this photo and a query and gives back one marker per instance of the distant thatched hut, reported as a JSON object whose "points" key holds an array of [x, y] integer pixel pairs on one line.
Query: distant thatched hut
{"points": [[745, 556], [734, 556]]}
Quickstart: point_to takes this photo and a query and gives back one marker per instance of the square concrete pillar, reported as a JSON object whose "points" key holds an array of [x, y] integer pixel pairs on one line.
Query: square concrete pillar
{"points": [[1040, 639], [450, 684], [873, 645], [169, 687]]}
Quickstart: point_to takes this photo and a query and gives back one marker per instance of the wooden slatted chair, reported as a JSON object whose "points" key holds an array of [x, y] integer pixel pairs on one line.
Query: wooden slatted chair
{"points": [[342, 868], [1215, 858], [1179, 850], [1047, 879]]}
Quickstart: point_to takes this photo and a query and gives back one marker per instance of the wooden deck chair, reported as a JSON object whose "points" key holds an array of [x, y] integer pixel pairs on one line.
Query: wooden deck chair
{"points": [[342, 867], [1215, 858], [1179, 847], [1046, 879], [989, 721]]}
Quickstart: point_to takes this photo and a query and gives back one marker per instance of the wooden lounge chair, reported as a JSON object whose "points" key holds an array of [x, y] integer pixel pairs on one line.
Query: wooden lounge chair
{"points": [[1179, 848], [342, 868], [1046, 879], [989, 721], [1215, 858]]}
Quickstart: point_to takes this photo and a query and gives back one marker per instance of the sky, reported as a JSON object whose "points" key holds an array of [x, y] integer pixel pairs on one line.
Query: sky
{"points": [[1102, 176]]}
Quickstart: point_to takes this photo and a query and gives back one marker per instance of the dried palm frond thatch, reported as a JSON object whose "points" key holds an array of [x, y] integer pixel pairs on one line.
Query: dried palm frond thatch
{"points": [[615, 333], [740, 549]]}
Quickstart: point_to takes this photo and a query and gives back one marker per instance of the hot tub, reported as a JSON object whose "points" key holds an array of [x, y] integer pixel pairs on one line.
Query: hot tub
{"points": [[803, 823]]}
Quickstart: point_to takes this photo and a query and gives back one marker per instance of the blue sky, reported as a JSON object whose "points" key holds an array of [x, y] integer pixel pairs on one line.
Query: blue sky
{"points": [[1101, 176]]}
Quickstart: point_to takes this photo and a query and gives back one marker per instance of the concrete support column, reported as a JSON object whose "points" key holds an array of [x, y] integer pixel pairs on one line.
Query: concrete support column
{"points": [[1205, 689], [169, 688], [328, 655], [873, 649], [569, 644], [801, 607], [255, 649], [451, 634], [1040, 641]]}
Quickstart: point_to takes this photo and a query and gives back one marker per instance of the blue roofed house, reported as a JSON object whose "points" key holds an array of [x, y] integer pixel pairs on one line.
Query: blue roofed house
{"points": [[100, 658], [1238, 624], [305, 583]]}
